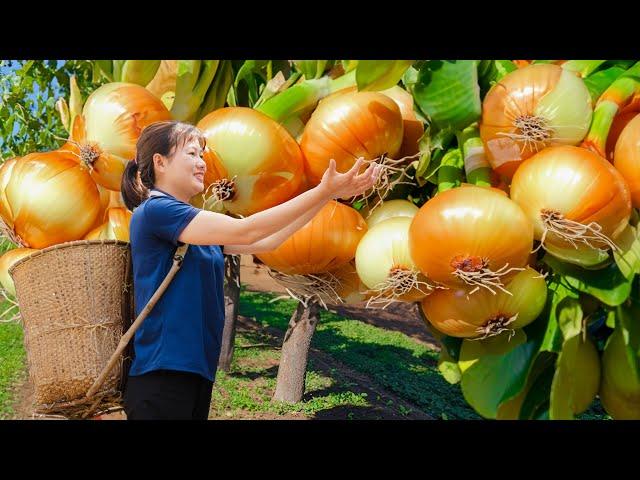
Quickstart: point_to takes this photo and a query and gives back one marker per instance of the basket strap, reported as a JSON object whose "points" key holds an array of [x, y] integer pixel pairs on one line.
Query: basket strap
{"points": [[178, 257]]}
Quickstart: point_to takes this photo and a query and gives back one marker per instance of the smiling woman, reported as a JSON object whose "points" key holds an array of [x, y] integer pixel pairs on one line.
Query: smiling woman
{"points": [[178, 346]]}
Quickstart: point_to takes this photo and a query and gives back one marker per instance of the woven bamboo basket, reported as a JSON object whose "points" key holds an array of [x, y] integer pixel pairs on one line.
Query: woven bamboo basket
{"points": [[75, 302]]}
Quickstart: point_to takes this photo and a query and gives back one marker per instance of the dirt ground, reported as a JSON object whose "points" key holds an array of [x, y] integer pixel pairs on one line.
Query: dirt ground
{"points": [[399, 317]]}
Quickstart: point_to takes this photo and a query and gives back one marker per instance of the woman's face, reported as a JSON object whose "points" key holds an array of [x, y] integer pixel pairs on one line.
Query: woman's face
{"points": [[185, 172]]}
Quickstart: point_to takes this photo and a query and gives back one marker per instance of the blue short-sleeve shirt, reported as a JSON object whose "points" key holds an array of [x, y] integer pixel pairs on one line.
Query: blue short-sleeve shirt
{"points": [[183, 331]]}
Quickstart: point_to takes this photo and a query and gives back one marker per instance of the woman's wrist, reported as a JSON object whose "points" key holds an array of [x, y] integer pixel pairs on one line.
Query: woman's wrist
{"points": [[326, 192]]}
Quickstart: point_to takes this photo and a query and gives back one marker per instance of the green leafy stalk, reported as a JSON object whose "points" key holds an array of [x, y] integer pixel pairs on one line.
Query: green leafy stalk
{"points": [[140, 72], [451, 170], [583, 67], [376, 75], [477, 168], [609, 103], [216, 96], [192, 82]]}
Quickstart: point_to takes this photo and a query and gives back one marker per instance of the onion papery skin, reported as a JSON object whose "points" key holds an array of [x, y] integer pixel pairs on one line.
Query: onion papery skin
{"points": [[104, 136], [51, 199], [349, 125], [390, 209], [472, 223], [541, 101], [115, 228], [456, 313], [384, 248], [259, 155], [6, 261], [578, 184], [326, 243], [626, 158]]}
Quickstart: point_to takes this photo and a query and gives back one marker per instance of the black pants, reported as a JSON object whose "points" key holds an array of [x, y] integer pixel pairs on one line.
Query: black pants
{"points": [[167, 395]]}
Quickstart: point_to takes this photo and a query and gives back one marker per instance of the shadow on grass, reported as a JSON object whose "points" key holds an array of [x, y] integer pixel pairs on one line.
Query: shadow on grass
{"points": [[270, 372], [414, 377]]}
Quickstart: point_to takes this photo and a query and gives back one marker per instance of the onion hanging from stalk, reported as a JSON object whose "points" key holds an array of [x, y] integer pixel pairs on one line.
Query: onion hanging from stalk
{"points": [[619, 386], [532, 108], [574, 198], [326, 243], [116, 226], [348, 125], [626, 158], [104, 137], [471, 236], [456, 313], [385, 266], [413, 129], [263, 163], [50, 198], [6, 261]]}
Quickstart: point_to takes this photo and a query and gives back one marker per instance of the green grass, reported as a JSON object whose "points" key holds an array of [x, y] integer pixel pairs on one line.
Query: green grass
{"points": [[391, 359], [12, 365], [247, 389]]}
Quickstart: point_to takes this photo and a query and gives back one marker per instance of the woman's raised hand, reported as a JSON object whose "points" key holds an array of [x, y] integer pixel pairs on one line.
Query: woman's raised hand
{"points": [[349, 184]]}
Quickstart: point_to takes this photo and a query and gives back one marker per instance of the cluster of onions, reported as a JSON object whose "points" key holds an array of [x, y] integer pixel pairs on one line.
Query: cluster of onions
{"points": [[260, 163], [383, 261], [47, 198], [471, 237], [532, 108], [315, 262], [104, 136], [116, 226], [348, 125], [576, 200], [457, 313]]}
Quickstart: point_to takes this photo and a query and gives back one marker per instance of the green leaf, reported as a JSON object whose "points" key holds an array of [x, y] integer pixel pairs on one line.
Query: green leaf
{"points": [[448, 92], [492, 71], [569, 314], [611, 319], [537, 397], [451, 173], [599, 81], [485, 383], [576, 380], [582, 67], [608, 285], [552, 337], [376, 75], [628, 317], [628, 260], [448, 367]]}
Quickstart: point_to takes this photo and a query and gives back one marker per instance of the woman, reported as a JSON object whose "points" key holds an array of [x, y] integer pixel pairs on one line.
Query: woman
{"points": [[178, 345]]}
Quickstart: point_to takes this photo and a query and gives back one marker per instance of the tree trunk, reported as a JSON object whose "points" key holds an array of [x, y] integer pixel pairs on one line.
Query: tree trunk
{"points": [[295, 351], [231, 303]]}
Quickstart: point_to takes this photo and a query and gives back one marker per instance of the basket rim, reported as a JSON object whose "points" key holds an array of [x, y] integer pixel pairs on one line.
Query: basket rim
{"points": [[60, 246]]}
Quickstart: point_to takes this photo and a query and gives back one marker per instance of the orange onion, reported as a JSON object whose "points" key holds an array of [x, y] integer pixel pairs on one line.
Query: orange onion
{"points": [[108, 199], [115, 228], [532, 108], [5, 175], [619, 123], [456, 313], [326, 243], [413, 129], [104, 136], [385, 266], [50, 198], [575, 199], [6, 261], [263, 163], [350, 288], [470, 236], [349, 125], [626, 158]]}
